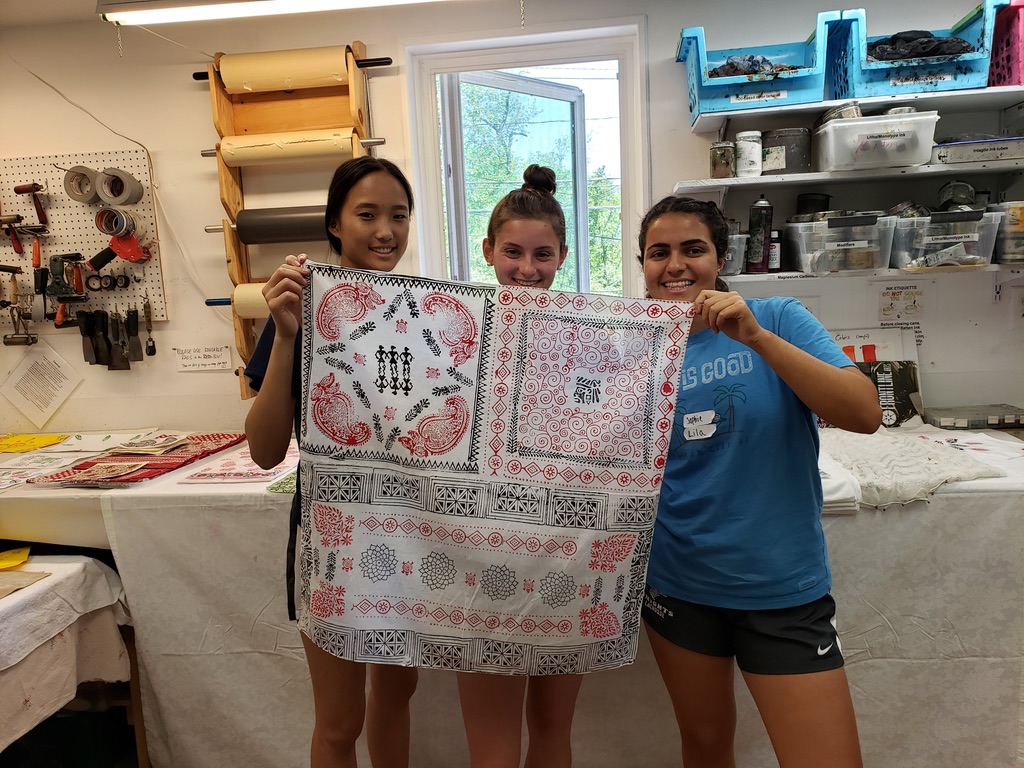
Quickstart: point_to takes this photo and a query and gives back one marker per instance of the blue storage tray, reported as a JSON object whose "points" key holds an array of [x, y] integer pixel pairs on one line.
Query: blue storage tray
{"points": [[720, 94], [850, 75]]}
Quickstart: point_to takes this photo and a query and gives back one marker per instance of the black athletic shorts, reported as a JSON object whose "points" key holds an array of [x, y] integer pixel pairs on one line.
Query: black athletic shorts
{"points": [[780, 641]]}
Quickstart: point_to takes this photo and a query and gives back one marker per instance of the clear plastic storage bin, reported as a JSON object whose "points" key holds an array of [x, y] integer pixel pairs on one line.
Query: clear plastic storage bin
{"points": [[844, 243], [882, 141], [735, 255], [1010, 238], [950, 239]]}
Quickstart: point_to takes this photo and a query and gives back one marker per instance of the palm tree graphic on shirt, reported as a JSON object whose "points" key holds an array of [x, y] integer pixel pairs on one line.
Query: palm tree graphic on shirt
{"points": [[729, 394]]}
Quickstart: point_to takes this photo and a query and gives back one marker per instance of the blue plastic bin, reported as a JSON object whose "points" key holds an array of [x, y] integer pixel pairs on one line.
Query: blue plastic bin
{"points": [[851, 75], [720, 94]]}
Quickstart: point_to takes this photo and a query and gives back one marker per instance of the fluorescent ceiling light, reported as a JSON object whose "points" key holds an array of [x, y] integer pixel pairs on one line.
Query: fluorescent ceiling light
{"points": [[141, 12]]}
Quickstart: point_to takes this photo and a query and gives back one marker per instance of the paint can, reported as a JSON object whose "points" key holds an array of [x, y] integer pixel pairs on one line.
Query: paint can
{"points": [[786, 150]]}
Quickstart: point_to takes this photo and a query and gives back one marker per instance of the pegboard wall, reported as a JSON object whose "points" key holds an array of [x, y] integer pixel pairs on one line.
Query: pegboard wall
{"points": [[72, 228]]}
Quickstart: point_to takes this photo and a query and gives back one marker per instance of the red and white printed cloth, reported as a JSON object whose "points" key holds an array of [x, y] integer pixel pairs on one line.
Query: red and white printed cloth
{"points": [[480, 468]]}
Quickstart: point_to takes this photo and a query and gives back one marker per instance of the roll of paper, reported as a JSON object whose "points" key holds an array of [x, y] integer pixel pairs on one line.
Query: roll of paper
{"points": [[248, 301], [283, 70], [281, 225], [334, 144]]}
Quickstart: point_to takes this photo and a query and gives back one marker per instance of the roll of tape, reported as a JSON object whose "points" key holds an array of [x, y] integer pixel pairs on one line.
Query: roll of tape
{"points": [[80, 184], [281, 225], [283, 70], [334, 144], [118, 222], [117, 187], [248, 301]]}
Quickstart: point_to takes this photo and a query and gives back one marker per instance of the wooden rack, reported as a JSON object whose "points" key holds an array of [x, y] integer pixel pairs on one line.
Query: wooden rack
{"points": [[342, 106]]}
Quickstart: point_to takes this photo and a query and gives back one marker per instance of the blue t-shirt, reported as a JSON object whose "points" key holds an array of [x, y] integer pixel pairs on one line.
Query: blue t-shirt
{"points": [[739, 516]]}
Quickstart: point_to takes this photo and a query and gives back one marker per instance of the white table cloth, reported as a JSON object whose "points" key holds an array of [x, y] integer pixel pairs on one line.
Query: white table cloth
{"points": [[54, 634]]}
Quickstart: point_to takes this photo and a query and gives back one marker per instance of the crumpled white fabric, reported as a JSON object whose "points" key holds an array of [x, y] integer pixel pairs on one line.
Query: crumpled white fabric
{"points": [[77, 585], [896, 469]]}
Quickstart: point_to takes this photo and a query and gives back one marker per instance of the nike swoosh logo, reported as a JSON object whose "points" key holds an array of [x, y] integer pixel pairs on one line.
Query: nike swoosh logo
{"points": [[823, 651]]}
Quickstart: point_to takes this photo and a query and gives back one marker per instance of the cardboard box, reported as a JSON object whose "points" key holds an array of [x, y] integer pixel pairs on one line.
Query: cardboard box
{"points": [[975, 151]]}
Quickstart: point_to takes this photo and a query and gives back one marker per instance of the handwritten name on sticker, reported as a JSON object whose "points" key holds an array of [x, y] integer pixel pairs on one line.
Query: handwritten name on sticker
{"points": [[700, 425]]}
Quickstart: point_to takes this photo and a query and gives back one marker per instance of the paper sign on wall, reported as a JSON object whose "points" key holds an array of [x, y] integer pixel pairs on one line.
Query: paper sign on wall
{"points": [[902, 306], [202, 358]]}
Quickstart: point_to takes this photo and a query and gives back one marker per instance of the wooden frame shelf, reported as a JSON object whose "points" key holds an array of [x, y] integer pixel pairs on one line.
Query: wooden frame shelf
{"points": [[342, 106]]}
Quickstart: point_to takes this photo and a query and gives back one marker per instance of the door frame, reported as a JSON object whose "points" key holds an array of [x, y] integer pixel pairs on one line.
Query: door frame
{"points": [[624, 40]]}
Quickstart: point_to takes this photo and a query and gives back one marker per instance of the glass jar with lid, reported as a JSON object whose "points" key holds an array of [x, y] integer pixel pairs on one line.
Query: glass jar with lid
{"points": [[723, 160]]}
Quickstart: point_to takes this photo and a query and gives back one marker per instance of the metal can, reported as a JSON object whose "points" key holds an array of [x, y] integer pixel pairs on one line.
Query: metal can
{"points": [[786, 150], [908, 209], [955, 193], [723, 160], [760, 230]]}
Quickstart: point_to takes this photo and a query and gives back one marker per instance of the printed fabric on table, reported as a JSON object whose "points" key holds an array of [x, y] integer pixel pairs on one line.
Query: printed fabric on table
{"points": [[124, 470], [480, 468]]}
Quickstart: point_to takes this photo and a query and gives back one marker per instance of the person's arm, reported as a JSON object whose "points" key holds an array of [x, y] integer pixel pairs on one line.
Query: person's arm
{"points": [[844, 397], [269, 424]]}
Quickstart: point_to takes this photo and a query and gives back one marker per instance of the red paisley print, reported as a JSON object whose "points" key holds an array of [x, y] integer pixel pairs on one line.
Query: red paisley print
{"points": [[334, 527], [345, 303], [458, 331], [333, 413], [439, 433]]}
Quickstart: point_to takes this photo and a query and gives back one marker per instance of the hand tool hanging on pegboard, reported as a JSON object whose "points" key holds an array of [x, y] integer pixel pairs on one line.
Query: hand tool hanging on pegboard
{"points": [[118, 344], [20, 314], [34, 189], [9, 221], [66, 285], [147, 310], [87, 328]]}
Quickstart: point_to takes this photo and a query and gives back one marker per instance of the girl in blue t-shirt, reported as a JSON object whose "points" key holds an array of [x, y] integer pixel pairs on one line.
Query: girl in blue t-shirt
{"points": [[369, 204], [738, 566]]}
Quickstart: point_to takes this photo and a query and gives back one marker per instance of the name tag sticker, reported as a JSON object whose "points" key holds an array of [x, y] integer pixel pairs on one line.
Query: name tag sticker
{"points": [[700, 431], [700, 425]]}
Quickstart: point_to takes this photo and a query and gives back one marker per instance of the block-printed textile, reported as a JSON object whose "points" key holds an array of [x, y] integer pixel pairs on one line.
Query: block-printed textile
{"points": [[479, 470]]}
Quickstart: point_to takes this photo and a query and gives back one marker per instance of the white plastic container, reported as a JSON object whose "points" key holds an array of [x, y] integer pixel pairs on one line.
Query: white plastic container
{"points": [[882, 141], [1010, 240], [848, 243], [735, 255], [954, 239]]}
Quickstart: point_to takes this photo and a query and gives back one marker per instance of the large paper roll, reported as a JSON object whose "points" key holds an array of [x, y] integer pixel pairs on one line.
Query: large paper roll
{"points": [[334, 144], [248, 301], [281, 225], [283, 70]]}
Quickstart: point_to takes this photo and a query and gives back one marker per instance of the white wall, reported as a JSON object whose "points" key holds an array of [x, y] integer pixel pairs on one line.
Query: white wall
{"points": [[149, 95]]}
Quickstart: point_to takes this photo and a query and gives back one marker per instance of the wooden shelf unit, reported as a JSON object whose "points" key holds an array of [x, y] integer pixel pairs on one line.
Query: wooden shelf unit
{"points": [[342, 106]]}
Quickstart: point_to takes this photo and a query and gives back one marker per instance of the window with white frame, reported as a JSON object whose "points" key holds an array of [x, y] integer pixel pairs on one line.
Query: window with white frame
{"points": [[572, 101]]}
